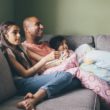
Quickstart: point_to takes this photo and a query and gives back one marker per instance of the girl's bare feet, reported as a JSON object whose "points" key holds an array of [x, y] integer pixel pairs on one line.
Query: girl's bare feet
{"points": [[27, 104], [29, 95], [31, 100]]}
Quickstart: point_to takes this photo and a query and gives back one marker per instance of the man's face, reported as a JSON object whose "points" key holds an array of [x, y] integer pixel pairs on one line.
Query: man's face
{"points": [[35, 27]]}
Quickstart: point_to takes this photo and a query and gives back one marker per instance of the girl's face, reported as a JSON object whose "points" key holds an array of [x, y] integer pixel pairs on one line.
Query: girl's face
{"points": [[63, 46], [13, 35]]}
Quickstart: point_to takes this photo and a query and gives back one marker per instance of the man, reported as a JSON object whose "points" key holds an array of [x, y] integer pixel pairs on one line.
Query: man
{"points": [[34, 29]]}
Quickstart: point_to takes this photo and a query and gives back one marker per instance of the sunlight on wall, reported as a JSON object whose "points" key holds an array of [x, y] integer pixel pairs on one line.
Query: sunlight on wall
{"points": [[68, 16]]}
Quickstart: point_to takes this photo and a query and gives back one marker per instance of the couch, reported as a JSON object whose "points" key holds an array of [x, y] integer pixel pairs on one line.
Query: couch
{"points": [[79, 99]]}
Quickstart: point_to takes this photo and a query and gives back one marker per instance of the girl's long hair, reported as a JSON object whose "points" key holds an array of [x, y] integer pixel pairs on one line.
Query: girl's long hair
{"points": [[4, 44]]}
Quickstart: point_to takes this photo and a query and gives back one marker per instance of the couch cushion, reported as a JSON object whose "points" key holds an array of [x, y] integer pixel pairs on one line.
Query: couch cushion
{"points": [[82, 99], [11, 103], [102, 42], [7, 87]]}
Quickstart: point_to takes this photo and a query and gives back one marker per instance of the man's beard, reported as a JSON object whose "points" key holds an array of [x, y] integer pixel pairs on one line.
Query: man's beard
{"points": [[37, 39]]}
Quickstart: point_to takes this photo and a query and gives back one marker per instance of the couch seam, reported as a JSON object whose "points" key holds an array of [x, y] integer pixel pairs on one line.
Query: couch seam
{"points": [[95, 102]]}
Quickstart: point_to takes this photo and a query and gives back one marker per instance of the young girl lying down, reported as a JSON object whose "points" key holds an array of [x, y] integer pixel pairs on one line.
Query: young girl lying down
{"points": [[60, 44]]}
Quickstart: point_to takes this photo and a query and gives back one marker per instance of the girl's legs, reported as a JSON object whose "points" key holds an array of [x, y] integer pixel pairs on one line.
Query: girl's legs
{"points": [[48, 85], [32, 84]]}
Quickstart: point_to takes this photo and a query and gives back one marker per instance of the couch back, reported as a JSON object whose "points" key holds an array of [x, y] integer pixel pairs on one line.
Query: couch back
{"points": [[73, 41], [102, 42], [7, 87]]}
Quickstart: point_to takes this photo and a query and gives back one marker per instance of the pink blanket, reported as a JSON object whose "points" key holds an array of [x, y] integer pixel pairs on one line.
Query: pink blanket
{"points": [[89, 80]]}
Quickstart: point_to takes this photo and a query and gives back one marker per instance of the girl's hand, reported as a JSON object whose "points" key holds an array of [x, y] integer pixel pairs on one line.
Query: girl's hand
{"points": [[51, 56], [64, 54]]}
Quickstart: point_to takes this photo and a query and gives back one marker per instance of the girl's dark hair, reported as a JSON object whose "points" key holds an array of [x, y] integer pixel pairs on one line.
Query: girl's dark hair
{"points": [[56, 41]]}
